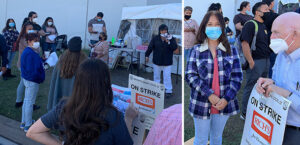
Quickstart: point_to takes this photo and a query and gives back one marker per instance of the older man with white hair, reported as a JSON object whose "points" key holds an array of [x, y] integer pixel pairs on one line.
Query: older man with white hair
{"points": [[285, 40]]}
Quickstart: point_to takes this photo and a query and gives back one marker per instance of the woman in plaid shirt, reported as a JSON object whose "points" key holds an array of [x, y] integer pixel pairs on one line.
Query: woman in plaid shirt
{"points": [[214, 74], [10, 34]]}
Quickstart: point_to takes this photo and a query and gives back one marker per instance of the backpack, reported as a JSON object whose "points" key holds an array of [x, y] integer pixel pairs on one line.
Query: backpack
{"points": [[243, 60]]}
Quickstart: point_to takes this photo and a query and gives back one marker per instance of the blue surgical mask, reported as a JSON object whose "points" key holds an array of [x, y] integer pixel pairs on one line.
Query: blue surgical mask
{"points": [[30, 31], [248, 12], [99, 20], [11, 24], [213, 33]]}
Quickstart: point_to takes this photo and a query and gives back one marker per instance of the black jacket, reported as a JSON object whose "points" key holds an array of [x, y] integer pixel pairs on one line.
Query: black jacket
{"points": [[3, 51], [162, 51]]}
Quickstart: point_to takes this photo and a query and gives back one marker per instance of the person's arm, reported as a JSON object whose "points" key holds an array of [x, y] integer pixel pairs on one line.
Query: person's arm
{"points": [[149, 50], [104, 27], [193, 79], [236, 77], [130, 114], [40, 133], [238, 26], [246, 38], [173, 44], [247, 54]]}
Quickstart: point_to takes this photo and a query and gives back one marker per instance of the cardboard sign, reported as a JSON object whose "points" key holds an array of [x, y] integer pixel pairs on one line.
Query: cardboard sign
{"points": [[265, 120], [148, 97]]}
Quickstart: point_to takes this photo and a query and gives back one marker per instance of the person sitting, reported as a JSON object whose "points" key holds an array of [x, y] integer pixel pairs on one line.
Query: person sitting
{"points": [[101, 48], [88, 115]]}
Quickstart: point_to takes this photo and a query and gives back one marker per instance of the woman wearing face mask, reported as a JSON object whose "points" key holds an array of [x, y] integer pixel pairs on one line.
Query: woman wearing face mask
{"points": [[190, 31], [32, 72], [214, 74], [50, 32], [10, 34], [240, 19], [100, 50]]}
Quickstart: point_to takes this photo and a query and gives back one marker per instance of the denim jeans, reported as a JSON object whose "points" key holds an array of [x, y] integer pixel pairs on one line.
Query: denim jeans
{"points": [[166, 74], [10, 57], [20, 91], [213, 127], [187, 54], [31, 90], [49, 46]]}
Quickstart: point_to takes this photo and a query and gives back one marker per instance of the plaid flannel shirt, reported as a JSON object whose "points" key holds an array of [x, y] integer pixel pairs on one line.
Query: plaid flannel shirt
{"points": [[199, 76]]}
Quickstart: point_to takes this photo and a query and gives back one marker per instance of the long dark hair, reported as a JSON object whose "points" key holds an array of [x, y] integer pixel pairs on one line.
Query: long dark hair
{"points": [[46, 24], [22, 34], [7, 25], [243, 5], [84, 113], [69, 62], [201, 35]]}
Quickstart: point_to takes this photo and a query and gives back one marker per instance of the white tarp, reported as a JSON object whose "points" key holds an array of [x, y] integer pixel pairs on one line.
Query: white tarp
{"points": [[265, 119], [167, 11]]}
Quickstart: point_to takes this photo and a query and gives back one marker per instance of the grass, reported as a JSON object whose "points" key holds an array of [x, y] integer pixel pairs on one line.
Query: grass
{"points": [[233, 131]]}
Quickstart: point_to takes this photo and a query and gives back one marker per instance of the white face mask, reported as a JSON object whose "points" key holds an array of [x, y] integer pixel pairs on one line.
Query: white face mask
{"points": [[279, 45], [34, 20], [164, 35], [50, 23], [36, 45]]}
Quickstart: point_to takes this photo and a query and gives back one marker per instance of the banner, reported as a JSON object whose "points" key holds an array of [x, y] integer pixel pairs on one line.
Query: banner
{"points": [[265, 120], [148, 97]]}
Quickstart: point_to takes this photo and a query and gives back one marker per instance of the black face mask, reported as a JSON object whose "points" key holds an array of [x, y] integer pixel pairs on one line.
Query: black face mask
{"points": [[100, 38], [187, 17], [266, 15]]}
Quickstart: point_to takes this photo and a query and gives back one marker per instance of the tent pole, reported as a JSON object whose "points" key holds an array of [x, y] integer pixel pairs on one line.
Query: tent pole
{"points": [[86, 21]]}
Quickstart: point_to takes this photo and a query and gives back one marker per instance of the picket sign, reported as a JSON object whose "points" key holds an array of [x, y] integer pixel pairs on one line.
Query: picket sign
{"points": [[265, 120], [148, 97]]}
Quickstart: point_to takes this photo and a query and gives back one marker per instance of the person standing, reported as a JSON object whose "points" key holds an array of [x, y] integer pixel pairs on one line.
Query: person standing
{"points": [[190, 31], [95, 27], [32, 72], [63, 75], [3, 55], [285, 80], [50, 31], [215, 76], [256, 55], [163, 45], [269, 18], [10, 34], [32, 19]]}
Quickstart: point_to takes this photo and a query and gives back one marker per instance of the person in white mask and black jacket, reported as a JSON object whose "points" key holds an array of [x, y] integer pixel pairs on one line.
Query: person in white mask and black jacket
{"points": [[163, 46]]}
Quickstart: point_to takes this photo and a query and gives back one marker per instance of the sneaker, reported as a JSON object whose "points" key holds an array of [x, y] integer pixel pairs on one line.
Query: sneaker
{"points": [[22, 125], [26, 128], [19, 104], [36, 107], [243, 116]]}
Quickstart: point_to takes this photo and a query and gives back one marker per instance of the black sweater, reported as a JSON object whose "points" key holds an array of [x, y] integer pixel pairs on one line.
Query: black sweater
{"points": [[3, 51], [162, 51]]}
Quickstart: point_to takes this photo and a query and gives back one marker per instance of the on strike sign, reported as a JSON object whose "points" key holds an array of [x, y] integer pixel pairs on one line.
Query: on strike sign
{"points": [[265, 119], [147, 96]]}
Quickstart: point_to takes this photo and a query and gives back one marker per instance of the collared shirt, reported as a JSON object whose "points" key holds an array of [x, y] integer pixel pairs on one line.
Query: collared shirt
{"points": [[286, 74], [199, 75]]}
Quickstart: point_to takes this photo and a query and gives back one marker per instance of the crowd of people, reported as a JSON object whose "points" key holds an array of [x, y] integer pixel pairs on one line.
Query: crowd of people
{"points": [[77, 108], [215, 64]]}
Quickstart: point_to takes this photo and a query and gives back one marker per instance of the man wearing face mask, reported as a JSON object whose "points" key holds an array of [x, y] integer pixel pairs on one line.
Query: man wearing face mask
{"points": [[285, 41], [257, 55], [269, 18], [32, 19], [163, 45], [95, 27]]}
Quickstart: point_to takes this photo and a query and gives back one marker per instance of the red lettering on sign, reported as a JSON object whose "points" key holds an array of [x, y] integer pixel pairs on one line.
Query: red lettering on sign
{"points": [[145, 101], [262, 126]]}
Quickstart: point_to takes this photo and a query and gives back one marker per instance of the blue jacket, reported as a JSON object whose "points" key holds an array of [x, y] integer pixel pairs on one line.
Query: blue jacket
{"points": [[31, 66]]}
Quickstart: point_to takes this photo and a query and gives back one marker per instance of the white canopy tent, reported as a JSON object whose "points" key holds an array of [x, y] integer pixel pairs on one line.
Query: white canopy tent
{"points": [[140, 24]]}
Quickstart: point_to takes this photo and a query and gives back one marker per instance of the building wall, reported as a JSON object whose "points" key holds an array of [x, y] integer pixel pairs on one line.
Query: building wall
{"points": [[159, 2], [70, 16]]}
